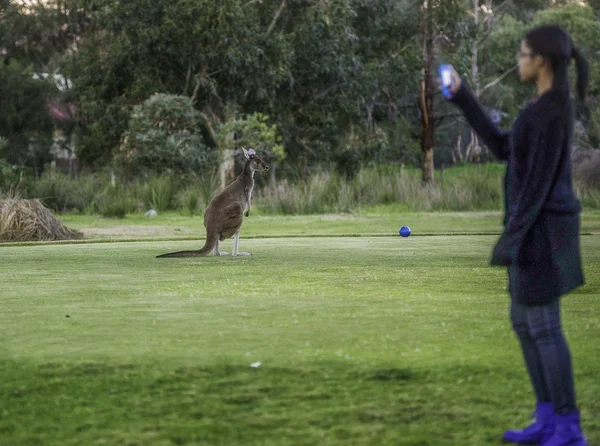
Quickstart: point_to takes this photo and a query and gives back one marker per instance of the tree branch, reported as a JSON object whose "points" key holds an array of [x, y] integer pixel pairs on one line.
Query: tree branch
{"points": [[325, 92], [447, 115], [413, 134], [460, 120], [496, 81], [488, 33], [276, 17], [196, 89], [499, 17], [187, 79], [210, 133]]}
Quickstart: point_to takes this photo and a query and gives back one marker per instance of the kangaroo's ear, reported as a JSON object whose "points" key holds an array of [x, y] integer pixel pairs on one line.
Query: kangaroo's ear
{"points": [[245, 153], [251, 153]]}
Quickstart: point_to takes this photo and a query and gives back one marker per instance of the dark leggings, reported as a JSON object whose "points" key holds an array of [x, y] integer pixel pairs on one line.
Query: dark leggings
{"points": [[546, 353]]}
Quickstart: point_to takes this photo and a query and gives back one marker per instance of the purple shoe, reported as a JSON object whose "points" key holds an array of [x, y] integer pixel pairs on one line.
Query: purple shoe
{"points": [[568, 431], [538, 432]]}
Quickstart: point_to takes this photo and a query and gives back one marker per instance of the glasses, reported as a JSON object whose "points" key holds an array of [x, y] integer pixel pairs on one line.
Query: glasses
{"points": [[521, 55]]}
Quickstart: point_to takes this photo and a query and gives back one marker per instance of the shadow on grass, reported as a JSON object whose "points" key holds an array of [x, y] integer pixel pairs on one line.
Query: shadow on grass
{"points": [[321, 403]]}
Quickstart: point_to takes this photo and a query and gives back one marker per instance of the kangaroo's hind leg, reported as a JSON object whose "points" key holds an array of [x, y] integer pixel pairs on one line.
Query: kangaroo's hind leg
{"points": [[235, 252], [219, 253]]}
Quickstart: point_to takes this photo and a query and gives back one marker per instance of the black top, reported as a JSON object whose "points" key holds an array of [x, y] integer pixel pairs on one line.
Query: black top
{"points": [[538, 154]]}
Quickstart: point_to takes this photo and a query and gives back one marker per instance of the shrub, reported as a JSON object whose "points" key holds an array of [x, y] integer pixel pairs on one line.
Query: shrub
{"points": [[196, 192], [157, 192], [63, 193], [163, 136], [586, 167], [115, 202], [253, 131], [189, 200]]}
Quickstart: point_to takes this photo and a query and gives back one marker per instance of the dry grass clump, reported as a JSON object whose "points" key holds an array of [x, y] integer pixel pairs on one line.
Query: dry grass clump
{"points": [[29, 220]]}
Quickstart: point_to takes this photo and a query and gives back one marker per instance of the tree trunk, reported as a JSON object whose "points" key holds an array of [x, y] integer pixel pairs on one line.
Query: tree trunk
{"points": [[475, 149], [227, 168], [457, 156], [426, 91], [428, 167]]}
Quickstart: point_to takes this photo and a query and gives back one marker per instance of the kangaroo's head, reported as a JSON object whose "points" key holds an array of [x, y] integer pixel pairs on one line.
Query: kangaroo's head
{"points": [[254, 163]]}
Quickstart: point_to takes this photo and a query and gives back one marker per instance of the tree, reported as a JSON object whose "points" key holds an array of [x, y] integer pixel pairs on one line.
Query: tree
{"points": [[326, 73], [344, 79], [217, 53], [37, 34], [33, 37], [504, 41], [25, 121], [443, 24], [426, 91]]}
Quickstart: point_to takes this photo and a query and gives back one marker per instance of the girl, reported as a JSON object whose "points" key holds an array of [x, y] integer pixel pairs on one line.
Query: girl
{"points": [[540, 242]]}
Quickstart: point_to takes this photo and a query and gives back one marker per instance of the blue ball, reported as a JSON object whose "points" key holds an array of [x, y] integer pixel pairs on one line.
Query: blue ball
{"points": [[404, 231]]}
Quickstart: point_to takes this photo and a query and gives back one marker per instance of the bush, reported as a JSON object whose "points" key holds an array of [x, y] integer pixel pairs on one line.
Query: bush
{"points": [[63, 193], [393, 144], [586, 167], [163, 136], [347, 163], [207, 185], [115, 202], [593, 129], [189, 200], [156, 192], [9, 176], [590, 197], [196, 193], [253, 131]]}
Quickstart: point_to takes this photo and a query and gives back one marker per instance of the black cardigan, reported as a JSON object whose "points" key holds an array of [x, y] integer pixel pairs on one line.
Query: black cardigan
{"points": [[538, 184]]}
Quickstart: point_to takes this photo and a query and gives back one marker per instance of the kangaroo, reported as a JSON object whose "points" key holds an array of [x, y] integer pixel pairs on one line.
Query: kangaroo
{"points": [[225, 213]]}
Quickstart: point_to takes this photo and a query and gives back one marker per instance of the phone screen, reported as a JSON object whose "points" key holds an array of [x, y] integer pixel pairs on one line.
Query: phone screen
{"points": [[446, 78]]}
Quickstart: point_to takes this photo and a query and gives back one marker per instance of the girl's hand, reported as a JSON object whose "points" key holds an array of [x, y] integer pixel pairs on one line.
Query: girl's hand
{"points": [[456, 82]]}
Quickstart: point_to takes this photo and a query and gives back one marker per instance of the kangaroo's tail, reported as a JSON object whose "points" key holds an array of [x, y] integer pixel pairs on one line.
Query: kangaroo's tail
{"points": [[209, 245]]}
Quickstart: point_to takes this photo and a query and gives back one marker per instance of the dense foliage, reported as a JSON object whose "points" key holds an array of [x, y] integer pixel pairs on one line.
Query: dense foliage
{"points": [[315, 81]]}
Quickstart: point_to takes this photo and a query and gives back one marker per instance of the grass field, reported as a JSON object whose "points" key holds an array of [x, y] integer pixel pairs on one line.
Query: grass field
{"points": [[369, 340], [374, 221]]}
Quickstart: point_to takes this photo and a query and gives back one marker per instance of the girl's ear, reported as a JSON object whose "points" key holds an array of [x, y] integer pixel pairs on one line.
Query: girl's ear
{"points": [[540, 61]]}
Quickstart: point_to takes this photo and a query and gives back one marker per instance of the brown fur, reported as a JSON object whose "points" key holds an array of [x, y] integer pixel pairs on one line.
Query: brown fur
{"points": [[224, 215]]}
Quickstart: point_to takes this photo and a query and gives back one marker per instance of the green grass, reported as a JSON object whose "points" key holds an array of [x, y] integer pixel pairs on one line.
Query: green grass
{"points": [[362, 341], [377, 220]]}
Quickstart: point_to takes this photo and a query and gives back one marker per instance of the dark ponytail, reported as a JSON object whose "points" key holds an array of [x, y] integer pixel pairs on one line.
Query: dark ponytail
{"points": [[583, 73], [556, 46]]}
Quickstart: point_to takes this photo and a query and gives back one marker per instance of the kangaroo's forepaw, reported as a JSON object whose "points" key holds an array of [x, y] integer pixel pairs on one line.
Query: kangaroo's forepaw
{"points": [[247, 213]]}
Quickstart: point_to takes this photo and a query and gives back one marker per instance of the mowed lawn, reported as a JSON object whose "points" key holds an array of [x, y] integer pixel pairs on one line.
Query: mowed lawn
{"points": [[375, 221], [311, 341]]}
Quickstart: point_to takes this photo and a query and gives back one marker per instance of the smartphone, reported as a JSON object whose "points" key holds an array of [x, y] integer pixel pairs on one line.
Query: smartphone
{"points": [[445, 73]]}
